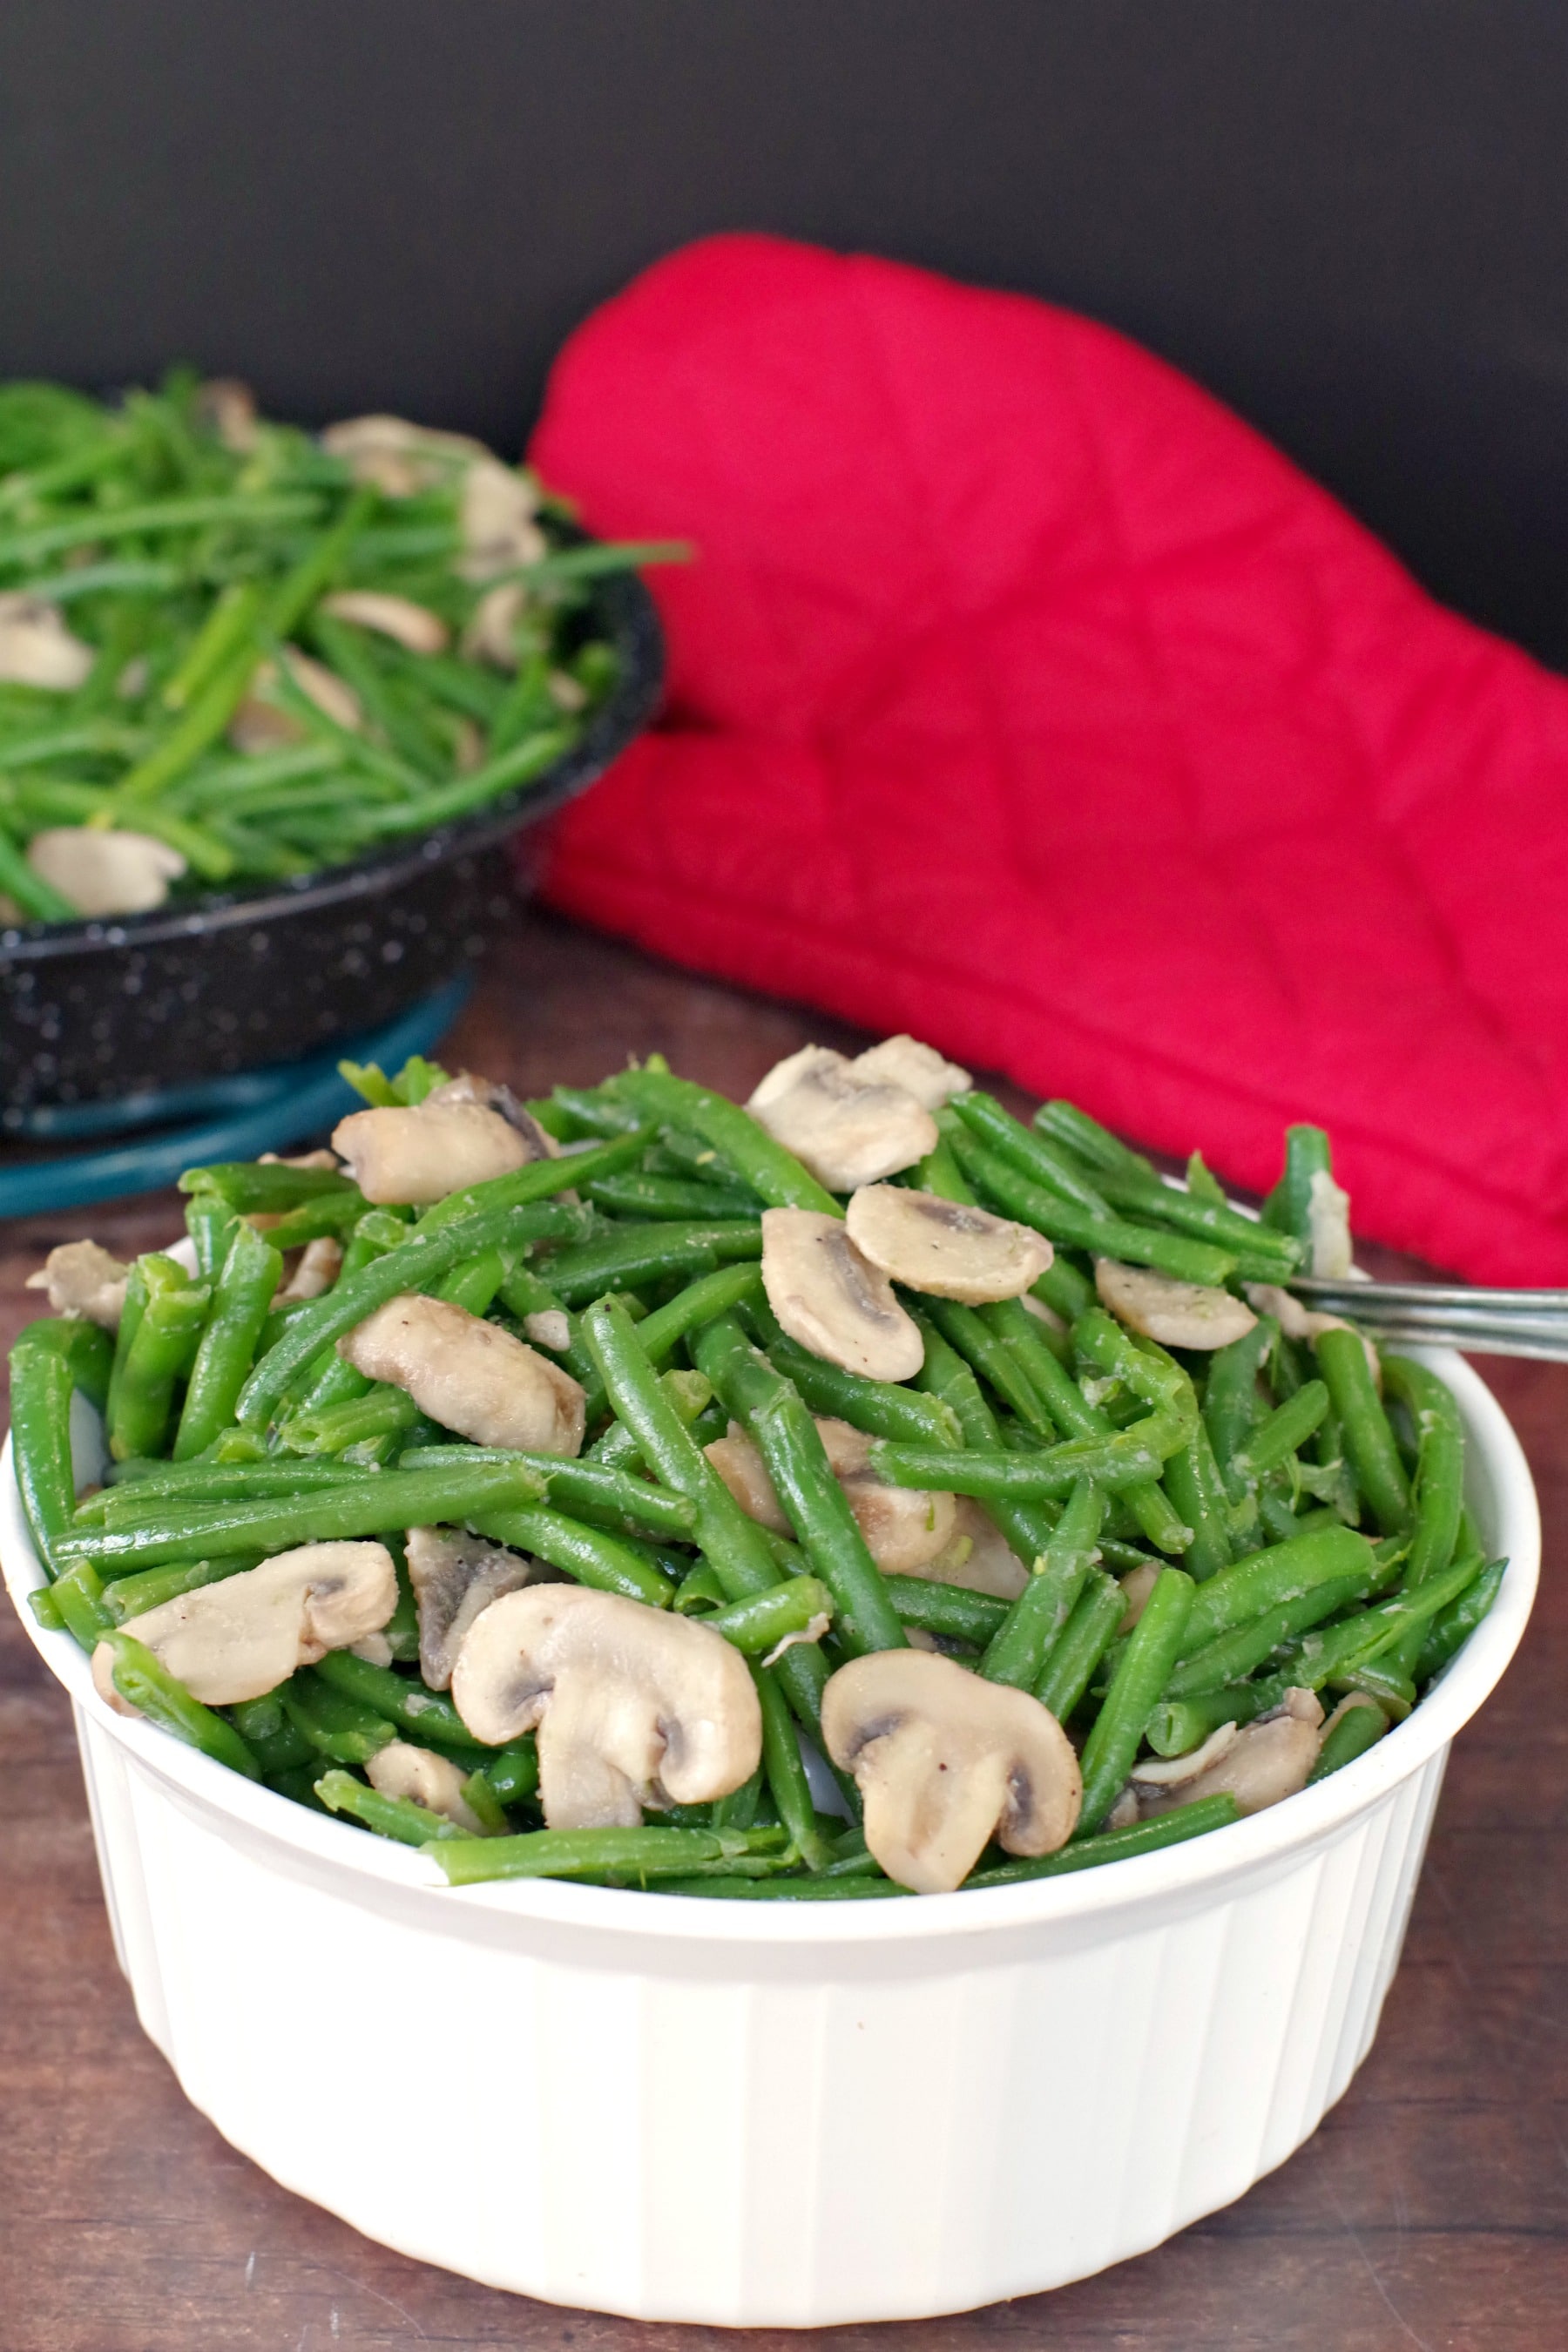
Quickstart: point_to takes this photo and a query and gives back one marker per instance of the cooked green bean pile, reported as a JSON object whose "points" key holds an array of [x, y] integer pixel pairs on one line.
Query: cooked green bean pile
{"points": [[232, 653], [884, 1494]]}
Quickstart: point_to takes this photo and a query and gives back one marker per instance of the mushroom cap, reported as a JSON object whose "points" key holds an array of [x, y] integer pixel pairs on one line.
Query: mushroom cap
{"points": [[945, 1248], [977, 1556], [241, 1637], [490, 1095], [105, 873], [399, 459], [632, 1705], [36, 646], [414, 627], [945, 1761], [423, 1777], [82, 1278], [498, 516], [847, 1129], [469, 1375], [416, 1156], [1177, 1314], [455, 1578], [833, 1300], [921, 1070]]}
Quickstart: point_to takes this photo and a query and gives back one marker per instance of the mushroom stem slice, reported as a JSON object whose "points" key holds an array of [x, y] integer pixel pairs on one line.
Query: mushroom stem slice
{"points": [[921, 1070], [1177, 1314], [1329, 1227], [469, 1375], [945, 1761], [417, 1156], [414, 627], [419, 1774], [945, 1248], [833, 1300], [632, 1707], [36, 646], [241, 1637], [321, 1262], [82, 1278], [105, 873], [455, 1579]]}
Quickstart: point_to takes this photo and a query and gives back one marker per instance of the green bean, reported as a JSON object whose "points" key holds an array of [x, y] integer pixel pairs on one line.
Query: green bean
{"points": [[760, 1623], [669, 1197], [381, 1413], [416, 1265], [880, 1408], [700, 1591], [343, 1512], [250, 1187], [1231, 1656], [334, 1724], [517, 764], [777, 1418], [210, 1222], [1260, 1255], [1357, 1639], [329, 1213], [1382, 1682], [951, 1382], [1140, 1678], [610, 1563], [154, 1485], [473, 1285], [1287, 1207], [1232, 1406], [1082, 1643], [38, 899], [639, 1253], [427, 1717], [1368, 1441], [146, 1684], [1178, 1725], [775, 1175], [130, 1315], [531, 1185], [1281, 1432], [511, 1774], [79, 1602], [1126, 1458], [783, 1766], [251, 1269], [1174, 1828], [165, 1337], [1028, 1150], [688, 1392], [637, 1854], [1197, 1493], [1018, 1651], [1006, 1189], [133, 1596], [954, 1612], [631, 1505], [96, 524], [1277, 1574], [41, 1387], [966, 1330], [389, 1817], [589, 1110], [1452, 1627], [1073, 1131], [1359, 1728], [1439, 1495]]}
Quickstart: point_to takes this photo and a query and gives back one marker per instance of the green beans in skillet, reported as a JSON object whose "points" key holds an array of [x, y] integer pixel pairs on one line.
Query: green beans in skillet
{"points": [[703, 1429], [234, 653]]}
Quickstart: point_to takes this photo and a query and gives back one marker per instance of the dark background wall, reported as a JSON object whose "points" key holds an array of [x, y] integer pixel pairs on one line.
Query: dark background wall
{"points": [[1349, 220]]}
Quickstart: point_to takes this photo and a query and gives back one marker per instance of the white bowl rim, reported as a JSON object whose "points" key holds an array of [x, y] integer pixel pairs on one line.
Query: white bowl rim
{"points": [[1198, 1865]]}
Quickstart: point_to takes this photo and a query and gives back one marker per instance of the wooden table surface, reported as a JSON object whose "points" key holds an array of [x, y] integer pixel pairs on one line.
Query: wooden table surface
{"points": [[1431, 2210]]}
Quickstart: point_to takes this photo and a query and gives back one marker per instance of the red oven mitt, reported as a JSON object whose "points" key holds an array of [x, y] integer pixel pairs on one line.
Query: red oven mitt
{"points": [[1022, 697]]}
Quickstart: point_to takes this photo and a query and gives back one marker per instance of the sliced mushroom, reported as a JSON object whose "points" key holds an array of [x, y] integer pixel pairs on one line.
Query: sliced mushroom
{"points": [[1298, 1322], [1177, 1314], [498, 516], [1329, 1227], [414, 627], [633, 1707], [1267, 1760], [396, 457], [455, 1578], [549, 1327], [1164, 1772], [978, 1556], [905, 1528], [228, 409], [1042, 1313], [262, 723], [943, 1247], [846, 1129], [491, 634], [921, 1070], [945, 1761], [492, 1096], [423, 1777], [416, 1155], [105, 873], [1136, 1587], [82, 1278], [833, 1300], [469, 1375], [321, 1262], [241, 1637], [36, 646]]}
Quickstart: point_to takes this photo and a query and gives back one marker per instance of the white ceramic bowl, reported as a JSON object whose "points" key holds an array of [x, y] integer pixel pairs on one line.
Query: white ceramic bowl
{"points": [[765, 2115]]}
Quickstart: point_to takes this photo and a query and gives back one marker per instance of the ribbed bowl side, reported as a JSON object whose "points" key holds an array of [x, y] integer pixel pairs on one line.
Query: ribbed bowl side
{"points": [[893, 2135]]}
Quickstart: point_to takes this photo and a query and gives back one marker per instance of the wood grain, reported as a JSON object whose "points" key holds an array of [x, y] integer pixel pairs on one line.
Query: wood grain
{"points": [[1430, 2211]]}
